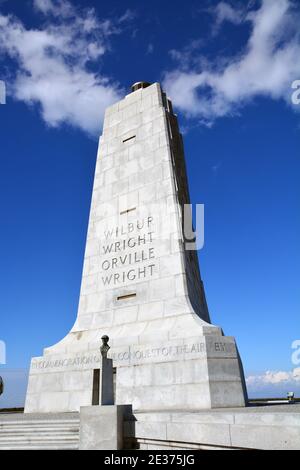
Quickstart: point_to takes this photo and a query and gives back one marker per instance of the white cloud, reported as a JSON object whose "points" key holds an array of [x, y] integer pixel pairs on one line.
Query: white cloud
{"points": [[54, 64], [225, 12], [129, 15], [274, 378], [188, 55], [266, 67], [54, 7]]}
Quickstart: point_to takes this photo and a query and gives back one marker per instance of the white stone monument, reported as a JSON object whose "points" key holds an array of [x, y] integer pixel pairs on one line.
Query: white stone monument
{"points": [[140, 285]]}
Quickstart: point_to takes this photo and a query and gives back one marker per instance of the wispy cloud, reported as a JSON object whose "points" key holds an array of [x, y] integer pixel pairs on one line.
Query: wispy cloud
{"points": [[274, 378], [150, 48], [129, 15], [215, 168], [189, 55], [266, 66], [224, 12], [55, 62], [55, 7]]}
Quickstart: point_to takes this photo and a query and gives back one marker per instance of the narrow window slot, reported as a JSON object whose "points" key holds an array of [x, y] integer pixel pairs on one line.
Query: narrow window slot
{"points": [[129, 138], [127, 296], [96, 387], [128, 210], [115, 383]]}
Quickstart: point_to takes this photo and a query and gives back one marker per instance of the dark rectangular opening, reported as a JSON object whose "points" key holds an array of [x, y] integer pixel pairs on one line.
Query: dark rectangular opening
{"points": [[129, 138], [127, 296], [96, 387], [115, 383], [128, 210]]}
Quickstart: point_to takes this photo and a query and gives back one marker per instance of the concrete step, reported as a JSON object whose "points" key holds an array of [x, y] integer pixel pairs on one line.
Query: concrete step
{"points": [[15, 427], [40, 447], [41, 437], [38, 423], [17, 431], [39, 432], [38, 429]]}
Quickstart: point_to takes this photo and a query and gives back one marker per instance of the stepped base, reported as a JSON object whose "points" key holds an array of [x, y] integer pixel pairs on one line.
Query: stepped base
{"points": [[39, 431], [274, 427]]}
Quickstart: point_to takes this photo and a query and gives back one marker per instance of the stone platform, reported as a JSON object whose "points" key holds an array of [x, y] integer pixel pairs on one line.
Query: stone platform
{"points": [[273, 427], [258, 427]]}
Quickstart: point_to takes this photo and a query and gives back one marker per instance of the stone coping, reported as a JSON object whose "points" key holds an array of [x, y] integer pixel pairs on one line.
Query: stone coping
{"points": [[38, 416], [270, 408], [262, 409]]}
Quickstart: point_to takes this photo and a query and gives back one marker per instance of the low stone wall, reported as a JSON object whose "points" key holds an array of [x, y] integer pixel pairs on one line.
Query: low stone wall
{"points": [[264, 428]]}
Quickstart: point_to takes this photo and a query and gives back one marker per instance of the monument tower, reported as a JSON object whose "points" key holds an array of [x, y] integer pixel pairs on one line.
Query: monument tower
{"points": [[141, 283]]}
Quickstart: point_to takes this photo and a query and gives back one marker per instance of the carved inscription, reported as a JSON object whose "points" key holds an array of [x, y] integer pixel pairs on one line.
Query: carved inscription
{"points": [[135, 355], [129, 254]]}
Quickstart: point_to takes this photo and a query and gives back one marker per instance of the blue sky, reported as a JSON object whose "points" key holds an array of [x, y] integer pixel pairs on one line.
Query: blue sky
{"points": [[229, 72]]}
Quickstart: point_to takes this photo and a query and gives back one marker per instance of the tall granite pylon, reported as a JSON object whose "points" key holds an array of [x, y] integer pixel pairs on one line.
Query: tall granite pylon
{"points": [[141, 284]]}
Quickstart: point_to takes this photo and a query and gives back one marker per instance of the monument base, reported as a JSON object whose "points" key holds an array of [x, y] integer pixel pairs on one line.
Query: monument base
{"points": [[200, 372]]}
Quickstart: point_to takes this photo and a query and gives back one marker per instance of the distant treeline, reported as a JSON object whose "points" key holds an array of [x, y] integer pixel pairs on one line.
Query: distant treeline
{"points": [[258, 400], [12, 410]]}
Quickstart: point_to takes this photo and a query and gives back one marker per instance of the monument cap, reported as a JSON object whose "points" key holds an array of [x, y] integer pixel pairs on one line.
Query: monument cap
{"points": [[137, 85]]}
